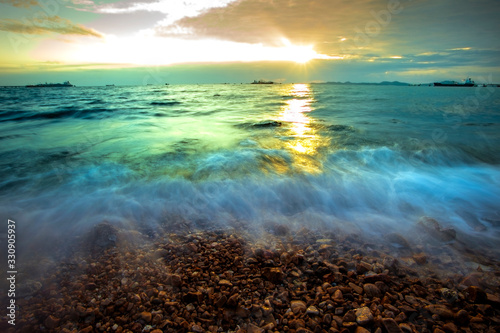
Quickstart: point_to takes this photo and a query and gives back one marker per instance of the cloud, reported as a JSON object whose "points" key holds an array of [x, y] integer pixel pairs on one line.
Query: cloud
{"points": [[41, 26], [351, 28], [20, 3], [267, 22], [126, 23]]}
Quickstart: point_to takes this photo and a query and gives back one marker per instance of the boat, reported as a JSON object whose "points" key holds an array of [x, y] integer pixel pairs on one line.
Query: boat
{"points": [[468, 83], [262, 82], [50, 85]]}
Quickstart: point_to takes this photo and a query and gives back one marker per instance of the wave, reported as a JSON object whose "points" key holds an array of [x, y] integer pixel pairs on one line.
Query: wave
{"points": [[165, 103], [372, 188], [67, 112]]}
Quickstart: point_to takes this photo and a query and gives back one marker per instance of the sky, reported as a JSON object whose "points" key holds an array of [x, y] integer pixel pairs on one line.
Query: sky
{"points": [[96, 42]]}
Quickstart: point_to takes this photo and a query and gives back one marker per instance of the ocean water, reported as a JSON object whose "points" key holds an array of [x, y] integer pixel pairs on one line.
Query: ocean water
{"points": [[357, 159]]}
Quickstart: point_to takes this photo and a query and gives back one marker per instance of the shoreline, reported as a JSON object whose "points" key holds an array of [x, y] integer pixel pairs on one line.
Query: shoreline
{"points": [[222, 281]]}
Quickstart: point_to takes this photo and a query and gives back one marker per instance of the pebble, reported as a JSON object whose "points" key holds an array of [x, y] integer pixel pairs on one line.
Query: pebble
{"points": [[214, 282], [357, 289], [298, 306], [312, 311], [364, 316], [146, 316], [440, 310], [391, 326], [226, 283], [372, 290]]}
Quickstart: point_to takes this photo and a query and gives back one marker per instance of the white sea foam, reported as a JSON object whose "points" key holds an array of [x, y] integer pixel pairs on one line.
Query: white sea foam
{"points": [[373, 164]]}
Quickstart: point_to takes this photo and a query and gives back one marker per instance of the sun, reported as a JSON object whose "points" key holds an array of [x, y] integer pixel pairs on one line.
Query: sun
{"points": [[298, 53]]}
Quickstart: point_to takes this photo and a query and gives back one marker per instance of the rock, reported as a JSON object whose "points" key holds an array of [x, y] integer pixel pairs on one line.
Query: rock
{"points": [[273, 274], [233, 300], [174, 280], [337, 296], [101, 237], [357, 289], [462, 317], [221, 301], [434, 229], [146, 316], [226, 283], [376, 277], [192, 297], [242, 312], [28, 288], [303, 330], [52, 322], [450, 328], [475, 295], [390, 263], [473, 279], [391, 326], [493, 299], [350, 316], [364, 316], [281, 230], [89, 329], [197, 329], [251, 328], [405, 328], [372, 290], [324, 248], [397, 241], [407, 309], [420, 258], [192, 247], [360, 329], [298, 306], [90, 286], [440, 310], [449, 295], [312, 311], [363, 267]]}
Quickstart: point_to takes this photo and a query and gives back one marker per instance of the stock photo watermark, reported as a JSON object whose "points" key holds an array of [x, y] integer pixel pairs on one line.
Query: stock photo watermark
{"points": [[372, 28], [11, 271]]}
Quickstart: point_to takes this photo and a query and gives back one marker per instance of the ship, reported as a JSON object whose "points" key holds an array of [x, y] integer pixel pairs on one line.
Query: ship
{"points": [[468, 83], [50, 85], [262, 82]]}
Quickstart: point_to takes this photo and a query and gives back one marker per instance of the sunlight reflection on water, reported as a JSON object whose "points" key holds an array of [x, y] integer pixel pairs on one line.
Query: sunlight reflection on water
{"points": [[304, 141]]}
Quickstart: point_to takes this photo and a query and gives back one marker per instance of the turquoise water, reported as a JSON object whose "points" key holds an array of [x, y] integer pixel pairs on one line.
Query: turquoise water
{"points": [[367, 159]]}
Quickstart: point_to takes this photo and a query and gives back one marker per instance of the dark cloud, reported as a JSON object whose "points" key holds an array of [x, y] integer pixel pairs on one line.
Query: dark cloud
{"points": [[41, 26], [20, 3]]}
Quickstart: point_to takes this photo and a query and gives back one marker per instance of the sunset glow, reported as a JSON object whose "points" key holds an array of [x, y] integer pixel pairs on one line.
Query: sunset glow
{"points": [[347, 41]]}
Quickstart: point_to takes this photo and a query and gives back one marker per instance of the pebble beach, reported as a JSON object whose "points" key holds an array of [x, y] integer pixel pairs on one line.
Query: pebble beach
{"points": [[282, 281]]}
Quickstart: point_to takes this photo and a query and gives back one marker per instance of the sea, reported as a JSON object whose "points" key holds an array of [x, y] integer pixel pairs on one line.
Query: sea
{"points": [[355, 159]]}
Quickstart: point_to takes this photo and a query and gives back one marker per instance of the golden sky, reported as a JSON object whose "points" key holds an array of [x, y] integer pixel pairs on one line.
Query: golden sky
{"points": [[373, 40]]}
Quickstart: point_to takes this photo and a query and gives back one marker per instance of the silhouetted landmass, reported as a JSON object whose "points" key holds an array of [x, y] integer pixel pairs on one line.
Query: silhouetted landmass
{"points": [[383, 83]]}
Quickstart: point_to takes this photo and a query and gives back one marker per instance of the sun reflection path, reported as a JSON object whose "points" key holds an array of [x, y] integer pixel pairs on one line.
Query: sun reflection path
{"points": [[304, 141]]}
